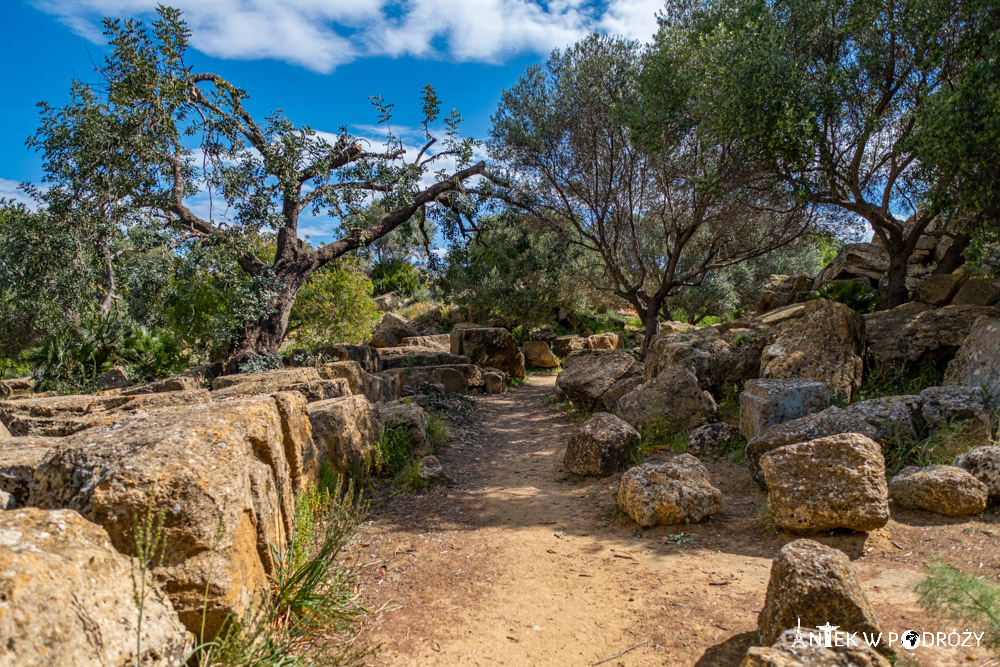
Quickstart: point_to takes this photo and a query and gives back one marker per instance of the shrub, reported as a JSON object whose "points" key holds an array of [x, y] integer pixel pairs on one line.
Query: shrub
{"points": [[967, 599], [855, 295], [397, 276], [334, 306], [438, 433]]}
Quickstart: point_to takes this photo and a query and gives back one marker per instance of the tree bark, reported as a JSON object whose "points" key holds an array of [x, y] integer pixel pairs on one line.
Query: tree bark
{"points": [[954, 257], [896, 293]]}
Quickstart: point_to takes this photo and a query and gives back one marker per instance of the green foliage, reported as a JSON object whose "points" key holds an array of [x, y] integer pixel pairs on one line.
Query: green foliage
{"points": [[396, 275], [408, 479], [312, 603], [260, 364], [334, 306], [438, 433], [882, 380], [857, 296], [939, 446], [515, 272], [660, 436], [965, 598], [391, 453], [71, 359]]}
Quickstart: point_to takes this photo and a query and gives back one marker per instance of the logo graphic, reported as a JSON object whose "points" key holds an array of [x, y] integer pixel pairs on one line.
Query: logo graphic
{"points": [[910, 639], [800, 641]]}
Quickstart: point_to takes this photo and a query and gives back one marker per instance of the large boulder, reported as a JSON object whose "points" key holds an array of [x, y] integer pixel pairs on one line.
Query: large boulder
{"points": [[767, 403], [944, 406], [588, 374], [345, 430], [16, 387], [412, 420], [832, 482], [914, 334], [176, 383], [538, 353], [602, 446], [226, 475], [814, 585], [434, 343], [798, 650], [940, 489], [672, 399], [864, 262], [376, 387], [894, 418], [411, 357], [489, 347], [831, 421], [267, 382], [562, 346], [984, 464], [392, 330], [64, 415], [677, 491], [939, 290], [826, 344], [365, 355], [606, 341], [977, 363], [68, 598], [783, 290], [720, 356], [977, 292]]}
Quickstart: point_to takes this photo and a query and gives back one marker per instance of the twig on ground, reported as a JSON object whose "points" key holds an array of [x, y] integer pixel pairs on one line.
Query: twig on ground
{"points": [[620, 653]]}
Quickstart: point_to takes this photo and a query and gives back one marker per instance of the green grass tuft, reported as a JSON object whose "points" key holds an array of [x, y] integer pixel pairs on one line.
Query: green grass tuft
{"points": [[967, 599]]}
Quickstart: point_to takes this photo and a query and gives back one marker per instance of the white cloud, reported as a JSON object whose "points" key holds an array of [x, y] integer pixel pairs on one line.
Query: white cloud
{"points": [[322, 34], [9, 189]]}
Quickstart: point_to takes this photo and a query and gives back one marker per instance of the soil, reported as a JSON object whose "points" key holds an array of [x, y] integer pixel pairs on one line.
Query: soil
{"points": [[520, 563]]}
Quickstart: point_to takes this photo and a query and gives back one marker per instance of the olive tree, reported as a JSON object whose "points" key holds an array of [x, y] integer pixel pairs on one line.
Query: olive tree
{"points": [[828, 97], [156, 143], [610, 152]]}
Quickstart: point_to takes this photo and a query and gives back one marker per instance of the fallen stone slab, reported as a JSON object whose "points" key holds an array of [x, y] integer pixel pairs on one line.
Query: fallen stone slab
{"points": [[68, 598], [267, 382], [345, 430], [677, 491], [64, 415], [814, 585], [827, 422], [832, 482], [940, 489], [767, 403], [948, 406], [602, 446]]}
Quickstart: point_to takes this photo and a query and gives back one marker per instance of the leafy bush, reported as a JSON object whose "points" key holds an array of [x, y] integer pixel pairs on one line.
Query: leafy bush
{"points": [[855, 295], [72, 359], [260, 364], [334, 306], [397, 276], [438, 433]]}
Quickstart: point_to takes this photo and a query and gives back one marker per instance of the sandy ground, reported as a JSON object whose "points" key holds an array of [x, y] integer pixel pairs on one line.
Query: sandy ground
{"points": [[520, 563]]}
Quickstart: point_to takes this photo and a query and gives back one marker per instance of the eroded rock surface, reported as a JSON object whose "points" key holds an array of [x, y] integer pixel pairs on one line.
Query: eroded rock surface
{"points": [[677, 491]]}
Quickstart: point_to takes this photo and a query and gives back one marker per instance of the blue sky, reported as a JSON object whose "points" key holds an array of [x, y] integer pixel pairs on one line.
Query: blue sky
{"points": [[317, 60]]}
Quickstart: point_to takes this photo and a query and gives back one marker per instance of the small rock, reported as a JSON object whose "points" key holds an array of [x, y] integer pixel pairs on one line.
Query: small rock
{"points": [[709, 438], [113, 378], [943, 406], [767, 403], [814, 585], [7, 501], [606, 341], [940, 489], [984, 464], [433, 471], [495, 383], [827, 483], [602, 446], [677, 491]]}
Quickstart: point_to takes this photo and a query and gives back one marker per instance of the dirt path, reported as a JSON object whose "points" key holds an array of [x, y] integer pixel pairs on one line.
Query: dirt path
{"points": [[518, 563]]}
